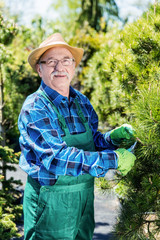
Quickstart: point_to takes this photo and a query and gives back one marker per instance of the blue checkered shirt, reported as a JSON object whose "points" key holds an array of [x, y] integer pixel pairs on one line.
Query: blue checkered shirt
{"points": [[41, 138]]}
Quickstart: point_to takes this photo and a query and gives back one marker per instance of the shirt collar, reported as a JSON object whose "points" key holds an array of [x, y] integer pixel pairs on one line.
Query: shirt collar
{"points": [[54, 96]]}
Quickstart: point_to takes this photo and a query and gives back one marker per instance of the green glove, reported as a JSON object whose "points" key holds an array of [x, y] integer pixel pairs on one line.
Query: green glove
{"points": [[123, 136], [126, 160]]}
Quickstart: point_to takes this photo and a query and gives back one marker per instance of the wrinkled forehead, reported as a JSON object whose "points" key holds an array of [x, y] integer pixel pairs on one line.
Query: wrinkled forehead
{"points": [[57, 52]]}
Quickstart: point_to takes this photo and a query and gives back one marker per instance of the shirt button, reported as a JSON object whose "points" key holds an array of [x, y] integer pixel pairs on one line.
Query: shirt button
{"points": [[41, 205]]}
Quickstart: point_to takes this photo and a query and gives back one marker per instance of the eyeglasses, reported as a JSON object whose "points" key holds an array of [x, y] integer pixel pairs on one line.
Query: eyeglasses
{"points": [[54, 62]]}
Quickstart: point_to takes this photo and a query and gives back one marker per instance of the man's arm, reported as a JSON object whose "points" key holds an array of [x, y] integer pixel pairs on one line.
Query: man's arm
{"points": [[43, 149]]}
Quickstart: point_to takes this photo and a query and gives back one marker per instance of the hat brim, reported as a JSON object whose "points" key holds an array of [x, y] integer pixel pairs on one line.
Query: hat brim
{"points": [[38, 52]]}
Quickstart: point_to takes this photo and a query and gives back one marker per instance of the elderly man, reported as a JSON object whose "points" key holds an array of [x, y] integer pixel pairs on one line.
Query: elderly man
{"points": [[62, 151]]}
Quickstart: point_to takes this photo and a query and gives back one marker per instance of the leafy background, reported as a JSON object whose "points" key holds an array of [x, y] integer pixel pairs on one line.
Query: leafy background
{"points": [[119, 74]]}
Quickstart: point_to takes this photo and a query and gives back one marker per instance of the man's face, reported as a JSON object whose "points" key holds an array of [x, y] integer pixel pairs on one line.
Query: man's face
{"points": [[57, 77]]}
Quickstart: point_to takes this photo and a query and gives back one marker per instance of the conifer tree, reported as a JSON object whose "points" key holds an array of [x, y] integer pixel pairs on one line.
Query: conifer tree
{"points": [[122, 81], [140, 211], [9, 211]]}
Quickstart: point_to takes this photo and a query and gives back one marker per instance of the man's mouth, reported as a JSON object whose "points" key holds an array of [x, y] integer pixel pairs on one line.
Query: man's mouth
{"points": [[62, 74], [59, 75]]}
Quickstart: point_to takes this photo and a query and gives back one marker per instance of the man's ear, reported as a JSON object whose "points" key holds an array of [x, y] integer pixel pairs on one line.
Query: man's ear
{"points": [[39, 70]]}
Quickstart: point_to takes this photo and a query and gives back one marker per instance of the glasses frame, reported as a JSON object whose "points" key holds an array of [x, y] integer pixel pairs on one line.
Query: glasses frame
{"points": [[72, 60]]}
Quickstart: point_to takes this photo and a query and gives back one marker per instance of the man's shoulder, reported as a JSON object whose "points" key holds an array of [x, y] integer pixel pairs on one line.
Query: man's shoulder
{"points": [[32, 101], [81, 96], [33, 109]]}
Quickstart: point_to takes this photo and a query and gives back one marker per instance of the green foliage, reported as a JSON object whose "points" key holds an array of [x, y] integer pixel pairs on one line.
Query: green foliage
{"points": [[88, 39], [147, 124], [102, 184], [121, 78], [10, 212], [140, 215], [19, 80], [100, 78], [8, 228], [8, 30], [126, 59], [76, 14], [98, 13]]}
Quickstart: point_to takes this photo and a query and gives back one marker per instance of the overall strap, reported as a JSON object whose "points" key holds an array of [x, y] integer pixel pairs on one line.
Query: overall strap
{"points": [[60, 117], [81, 115]]}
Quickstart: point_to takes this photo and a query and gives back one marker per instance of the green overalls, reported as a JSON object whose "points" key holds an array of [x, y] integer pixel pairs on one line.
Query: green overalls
{"points": [[64, 210]]}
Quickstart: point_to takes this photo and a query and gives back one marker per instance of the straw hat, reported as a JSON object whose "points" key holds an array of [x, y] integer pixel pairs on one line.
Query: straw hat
{"points": [[54, 40]]}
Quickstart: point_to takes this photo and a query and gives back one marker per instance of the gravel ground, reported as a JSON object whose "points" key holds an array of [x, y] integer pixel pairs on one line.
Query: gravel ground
{"points": [[106, 211]]}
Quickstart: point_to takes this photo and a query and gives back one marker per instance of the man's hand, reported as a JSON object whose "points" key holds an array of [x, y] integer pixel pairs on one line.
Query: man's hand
{"points": [[126, 160], [123, 136]]}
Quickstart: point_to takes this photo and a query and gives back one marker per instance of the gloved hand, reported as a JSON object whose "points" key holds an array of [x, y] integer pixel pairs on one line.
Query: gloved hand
{"points": [[126, 160], [123, 136]]}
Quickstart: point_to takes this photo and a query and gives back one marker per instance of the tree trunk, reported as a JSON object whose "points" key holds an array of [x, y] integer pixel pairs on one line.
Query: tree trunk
{"points": [[155, 5], [2, 132]]}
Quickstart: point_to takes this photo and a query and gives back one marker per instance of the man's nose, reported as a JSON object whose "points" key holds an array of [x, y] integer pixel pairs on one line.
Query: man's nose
{"points": [[59, 66]]}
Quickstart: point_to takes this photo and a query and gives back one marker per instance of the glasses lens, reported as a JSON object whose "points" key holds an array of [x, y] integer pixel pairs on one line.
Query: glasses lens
{"points": [[52, 63], [66, 62]]}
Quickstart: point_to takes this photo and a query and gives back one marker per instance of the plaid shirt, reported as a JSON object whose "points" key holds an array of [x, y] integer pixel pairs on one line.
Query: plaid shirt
{"points": [[41, 138]]}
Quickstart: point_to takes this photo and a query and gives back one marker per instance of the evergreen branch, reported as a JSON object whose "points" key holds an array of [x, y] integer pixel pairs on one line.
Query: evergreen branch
{"points": [[127, 234], [12, 126], [149, 221], [4, 122], [2, 106], [140, 141], [148, 225], [152, 117]]}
